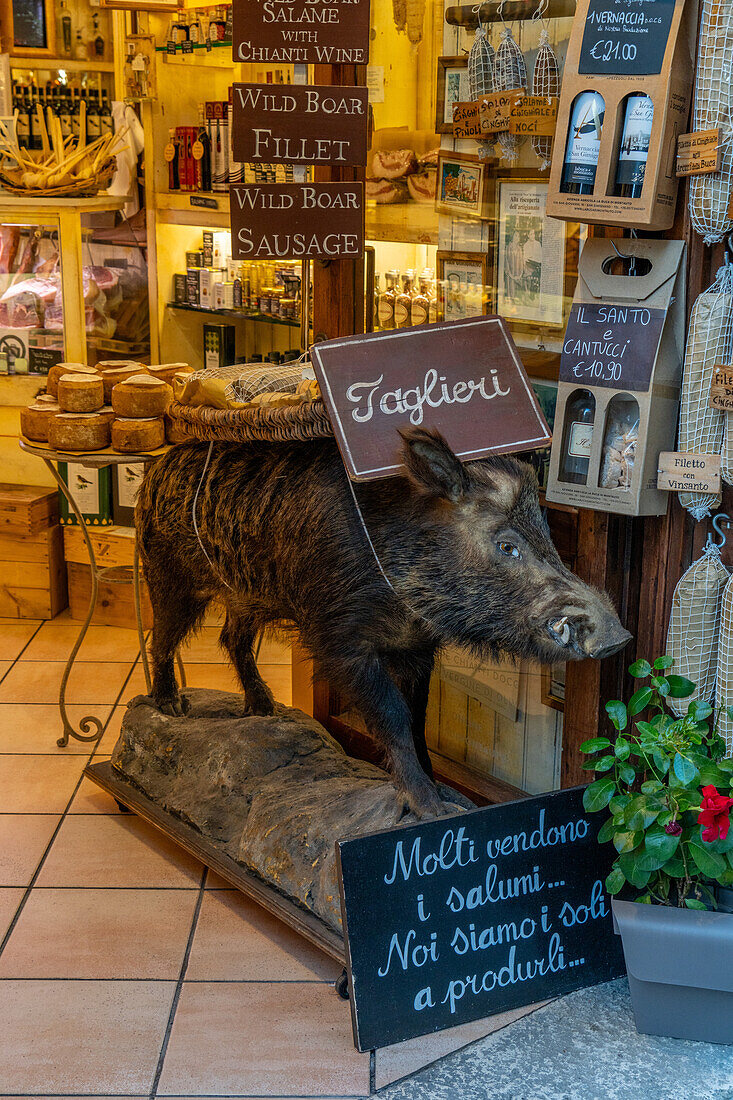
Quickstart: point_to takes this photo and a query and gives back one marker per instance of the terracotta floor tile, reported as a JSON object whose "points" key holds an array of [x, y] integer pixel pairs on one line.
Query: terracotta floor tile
{"points": [[14, 635], [100, 934], [55, 640], [93, 682], [249, 1039], [401, 1059], [97, 850], [81, 1037], [9, 902], [91, 799], [220, 677], [38, 784], [110, 735], [23, 840], [237, 940], [204, 648], [35, 728], [5, 666]]}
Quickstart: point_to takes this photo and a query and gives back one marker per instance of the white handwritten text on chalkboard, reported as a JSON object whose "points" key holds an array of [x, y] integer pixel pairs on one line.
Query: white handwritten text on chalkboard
{"points": [[611, 345]]}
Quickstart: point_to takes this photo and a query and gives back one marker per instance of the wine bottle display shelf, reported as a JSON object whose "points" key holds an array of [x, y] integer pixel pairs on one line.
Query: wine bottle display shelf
{"points": [[238, 313]]}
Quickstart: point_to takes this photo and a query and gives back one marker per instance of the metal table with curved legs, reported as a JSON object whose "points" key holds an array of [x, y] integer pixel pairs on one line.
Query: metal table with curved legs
{"points": [[95, 461]]}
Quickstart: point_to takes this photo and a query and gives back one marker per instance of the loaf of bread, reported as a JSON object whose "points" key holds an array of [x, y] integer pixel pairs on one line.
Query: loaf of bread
{"points": [[168, 371], [35, 419], [59, 369], [136, 435], [78, 432], [141, 396], [112, 378], [80, 393]]}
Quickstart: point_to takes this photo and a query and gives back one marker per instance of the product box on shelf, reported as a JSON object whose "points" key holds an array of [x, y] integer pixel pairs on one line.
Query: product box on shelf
{"points": [[218, 346], [618, 395], [126, 481], [625, 99], [92, 491]]}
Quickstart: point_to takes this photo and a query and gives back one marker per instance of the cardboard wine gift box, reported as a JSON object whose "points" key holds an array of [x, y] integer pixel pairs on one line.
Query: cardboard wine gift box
{"points": [[618, 55], [620, 373]]}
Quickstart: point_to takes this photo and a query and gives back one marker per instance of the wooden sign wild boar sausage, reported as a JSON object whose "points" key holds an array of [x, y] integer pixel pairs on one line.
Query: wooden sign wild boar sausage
{"points": [[465, 548]]}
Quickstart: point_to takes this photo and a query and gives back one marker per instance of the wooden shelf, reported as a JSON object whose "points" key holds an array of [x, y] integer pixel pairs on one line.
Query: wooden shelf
{"points": [[25, 204], [237, 314], [404, 223], [175, 208], [67, 63]]}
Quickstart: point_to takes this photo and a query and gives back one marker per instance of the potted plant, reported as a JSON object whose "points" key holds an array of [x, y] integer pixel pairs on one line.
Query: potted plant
{"points": [[667, 786]]}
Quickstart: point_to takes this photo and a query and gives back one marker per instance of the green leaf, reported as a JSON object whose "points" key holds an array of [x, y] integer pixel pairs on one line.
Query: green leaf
{"points": [[642, 811], [627, 863], [618, 803], [616, 711], [595, 744], [709, 863], [589, 766], [651, 786], [699, 710], [660, 683], [599, 794], [627, 774], [615, 880], [640, 669], [649, 861], [664, 662], [622, 749], [675, 868], [726, 765], [604, 764], [660, 843], [661, 761], [685, 770], [639, 700], [679, 686], [693, 903], [626, 842], [606, 831]]}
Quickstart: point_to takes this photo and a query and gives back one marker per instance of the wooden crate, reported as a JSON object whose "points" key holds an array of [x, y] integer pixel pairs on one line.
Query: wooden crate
{"points": [[114, 548], [27, 509], [32, 574]]}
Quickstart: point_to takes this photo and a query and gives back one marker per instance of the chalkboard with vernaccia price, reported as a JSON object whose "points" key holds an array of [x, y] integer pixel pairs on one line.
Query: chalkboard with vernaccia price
{"points": [[611, 345], [622, 39], [458, 918]]}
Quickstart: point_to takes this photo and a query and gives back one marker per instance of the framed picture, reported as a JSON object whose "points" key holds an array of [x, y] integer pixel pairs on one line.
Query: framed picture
{"points": [[552, 686], [462, 290], [452, 88], [29, 28], [535, 257], [462, 186]]}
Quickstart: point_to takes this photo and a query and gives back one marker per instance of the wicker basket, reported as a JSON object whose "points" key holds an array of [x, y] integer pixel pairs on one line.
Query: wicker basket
{"points": [[77, 189], [288, 423]]}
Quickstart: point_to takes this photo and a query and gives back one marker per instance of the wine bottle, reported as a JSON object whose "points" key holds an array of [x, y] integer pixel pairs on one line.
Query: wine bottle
{"points": [[201, 152], [580, 413], [106, 122], [583, 144], [634, 149], [93, 121]]}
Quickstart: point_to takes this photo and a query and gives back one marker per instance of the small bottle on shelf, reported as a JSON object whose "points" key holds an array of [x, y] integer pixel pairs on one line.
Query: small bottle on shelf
{"points": [[80, 46], [22, 124], [583, 144], [201, 152], [96, 46], [420, 309], [64, 113], [64, 38], [403, 301], [580, 413], [386, 310], [74, 113], [171, 155], [634, 148]]}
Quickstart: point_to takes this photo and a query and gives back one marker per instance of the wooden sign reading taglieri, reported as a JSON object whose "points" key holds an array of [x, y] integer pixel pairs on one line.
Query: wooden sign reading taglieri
{"points": [[464, 378], [699, 153], [721, 388], [303, 32], [684, 472], [297, 221], [299, 124]]}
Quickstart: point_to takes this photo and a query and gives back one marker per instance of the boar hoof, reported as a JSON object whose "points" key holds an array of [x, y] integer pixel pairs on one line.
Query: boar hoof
{"points": [[175, 706], [425, 802]]}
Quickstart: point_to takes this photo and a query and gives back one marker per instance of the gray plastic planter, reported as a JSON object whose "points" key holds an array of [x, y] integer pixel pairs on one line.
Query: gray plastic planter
{"points": [[680, 967]]}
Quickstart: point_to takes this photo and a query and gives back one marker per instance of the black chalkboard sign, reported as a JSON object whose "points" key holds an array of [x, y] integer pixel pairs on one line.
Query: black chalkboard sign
{"points": [[42, 359], [622, 39], [456, 919], [611, 345]]}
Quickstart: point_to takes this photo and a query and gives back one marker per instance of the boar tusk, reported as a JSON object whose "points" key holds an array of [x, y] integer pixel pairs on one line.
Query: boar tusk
{"points": [[561, 629]]}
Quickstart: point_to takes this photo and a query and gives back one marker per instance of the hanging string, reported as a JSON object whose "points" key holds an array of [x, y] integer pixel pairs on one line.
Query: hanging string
{"points": [[195, 520]]}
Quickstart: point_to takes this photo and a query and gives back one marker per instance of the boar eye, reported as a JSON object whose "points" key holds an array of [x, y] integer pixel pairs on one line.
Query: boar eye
{"points": [[508, 549]]}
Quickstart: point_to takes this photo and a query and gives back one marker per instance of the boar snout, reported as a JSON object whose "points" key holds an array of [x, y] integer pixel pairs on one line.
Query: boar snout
{"points": [[606, 647], [595, 632]]}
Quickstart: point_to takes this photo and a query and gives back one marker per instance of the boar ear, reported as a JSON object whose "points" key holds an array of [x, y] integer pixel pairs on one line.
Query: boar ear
{"points": [[431, 464]]}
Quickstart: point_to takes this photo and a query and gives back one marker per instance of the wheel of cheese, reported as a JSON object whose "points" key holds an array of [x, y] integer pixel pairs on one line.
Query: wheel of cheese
{"points": [[119, 364], [47, 399], [109, 413], [78, 432], [59, 369], [135, 435], [111, 378], [80, 393], [141, 397], [168, 371], [35, 419]]}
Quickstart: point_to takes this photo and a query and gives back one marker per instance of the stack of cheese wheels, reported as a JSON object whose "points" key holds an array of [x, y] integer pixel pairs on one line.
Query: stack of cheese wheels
{"points": [[35, 420], [59, 369], [139, 405], [80, 393]]}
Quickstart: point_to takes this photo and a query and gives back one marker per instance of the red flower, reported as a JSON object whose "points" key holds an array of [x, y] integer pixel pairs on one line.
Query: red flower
{"points": [[714, 813], [673, 828]]}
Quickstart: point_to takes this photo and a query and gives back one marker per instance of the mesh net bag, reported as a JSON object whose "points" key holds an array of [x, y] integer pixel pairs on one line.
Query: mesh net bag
{"points": [[724, 673], [481, 76], [709, 194], [709, 342], [545, 81], [510, 72], [692, 638]]}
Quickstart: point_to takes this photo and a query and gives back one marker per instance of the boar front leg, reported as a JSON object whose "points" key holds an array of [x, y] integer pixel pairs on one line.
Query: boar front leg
{"points": [[388, 720], [237, 637]]}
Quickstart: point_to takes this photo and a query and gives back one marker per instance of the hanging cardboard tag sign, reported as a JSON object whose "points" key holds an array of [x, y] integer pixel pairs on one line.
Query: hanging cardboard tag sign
{"points": [[683, 472], [699, 153], [534, 116], [721, 388], [467, 120], [496, 110]]}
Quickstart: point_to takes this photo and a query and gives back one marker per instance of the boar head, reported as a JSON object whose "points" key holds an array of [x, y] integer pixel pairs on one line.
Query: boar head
{"points": [[487, 575]]}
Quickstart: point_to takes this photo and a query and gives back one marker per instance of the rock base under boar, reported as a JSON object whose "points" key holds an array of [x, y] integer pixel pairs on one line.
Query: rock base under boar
{"points": [[274, 793]]}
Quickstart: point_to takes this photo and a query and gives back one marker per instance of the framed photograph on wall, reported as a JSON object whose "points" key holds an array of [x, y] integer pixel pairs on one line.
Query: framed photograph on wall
{"points": [[452, 88], [462, 186], [29, 28], [462, 289], [535, 257]]}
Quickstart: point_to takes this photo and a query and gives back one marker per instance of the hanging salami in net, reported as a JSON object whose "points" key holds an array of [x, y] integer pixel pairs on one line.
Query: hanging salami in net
{"points": [[510, 73], [545, 82], [710, 194], [481, 76]]}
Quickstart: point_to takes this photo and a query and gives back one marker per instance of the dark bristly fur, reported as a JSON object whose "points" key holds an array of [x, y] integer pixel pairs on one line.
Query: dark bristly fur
{"points": [[285, 544]]}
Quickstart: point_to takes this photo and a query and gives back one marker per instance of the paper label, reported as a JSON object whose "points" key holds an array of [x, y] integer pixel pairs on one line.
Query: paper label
{"points": [[580, 439]]}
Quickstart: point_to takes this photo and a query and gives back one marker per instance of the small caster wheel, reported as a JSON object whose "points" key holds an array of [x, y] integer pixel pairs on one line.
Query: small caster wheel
{"points": [[121, 808], [342, 986]]}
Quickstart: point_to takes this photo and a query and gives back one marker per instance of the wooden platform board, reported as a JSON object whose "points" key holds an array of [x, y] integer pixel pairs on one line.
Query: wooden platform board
{"points": [[300, 920]]}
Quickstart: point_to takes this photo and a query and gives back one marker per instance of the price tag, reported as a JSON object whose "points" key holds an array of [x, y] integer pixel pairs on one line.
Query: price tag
{"points": [[721, 388], [611, 345], [169, 151], [683, 472], [699, 153], [170, 47], [197, 150], [187, 46]]}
